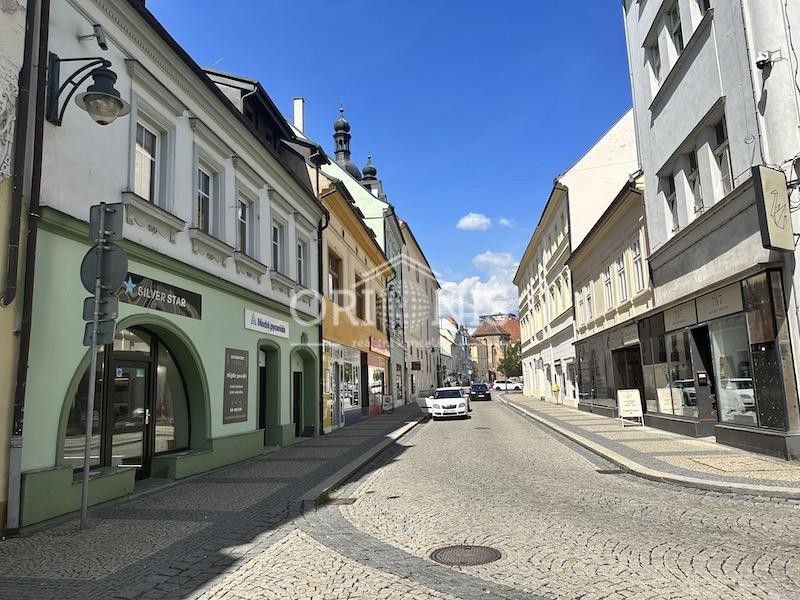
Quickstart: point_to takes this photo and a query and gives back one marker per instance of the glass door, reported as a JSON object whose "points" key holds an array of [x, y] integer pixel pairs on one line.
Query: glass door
{"points": [[130, 416]]}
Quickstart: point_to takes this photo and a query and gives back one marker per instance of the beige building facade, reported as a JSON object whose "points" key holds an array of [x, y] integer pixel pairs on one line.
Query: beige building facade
{"points": [[611, 287]]}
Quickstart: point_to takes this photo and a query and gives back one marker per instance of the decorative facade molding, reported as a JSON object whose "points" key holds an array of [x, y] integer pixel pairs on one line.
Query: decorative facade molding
{"points": [[207, 245], [140, 76], [147, 215], [282, 283], [249, 266]]}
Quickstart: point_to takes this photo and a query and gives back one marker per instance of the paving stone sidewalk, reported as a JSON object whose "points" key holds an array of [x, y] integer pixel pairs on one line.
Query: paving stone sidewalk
{"points": [[170, 542], [666, 456]]}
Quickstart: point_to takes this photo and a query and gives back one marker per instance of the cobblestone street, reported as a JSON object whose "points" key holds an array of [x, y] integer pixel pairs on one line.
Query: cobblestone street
{"points": [[564, 528]]}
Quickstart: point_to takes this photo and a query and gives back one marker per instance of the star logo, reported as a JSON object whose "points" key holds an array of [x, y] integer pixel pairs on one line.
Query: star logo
{"points": [[129, 286]]}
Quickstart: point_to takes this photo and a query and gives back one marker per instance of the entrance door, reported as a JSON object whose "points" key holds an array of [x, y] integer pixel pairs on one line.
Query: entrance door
{"points": [[262, 393], [297, 400], [131, 416], [336, 416]]}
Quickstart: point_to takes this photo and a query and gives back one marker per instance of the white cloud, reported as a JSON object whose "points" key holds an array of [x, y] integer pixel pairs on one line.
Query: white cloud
{"points": [[474, 222], [470, 297], [506, 222]]}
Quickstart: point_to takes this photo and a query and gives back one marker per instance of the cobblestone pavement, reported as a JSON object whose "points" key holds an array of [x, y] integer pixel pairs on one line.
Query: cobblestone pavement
{"points": [[668, 452], [564, 529]]}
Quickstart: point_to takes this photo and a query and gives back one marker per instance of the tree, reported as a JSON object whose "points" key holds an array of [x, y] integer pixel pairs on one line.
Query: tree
{"points": [[511, 363]]}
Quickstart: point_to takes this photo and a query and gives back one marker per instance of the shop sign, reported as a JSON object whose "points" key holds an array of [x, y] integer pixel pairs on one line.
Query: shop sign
{"points": [[630, 335], [265, 324], [680, 316], [774, 215], [379, 346], [234, 393], [157, 295], [416, 365], [723, 302]]}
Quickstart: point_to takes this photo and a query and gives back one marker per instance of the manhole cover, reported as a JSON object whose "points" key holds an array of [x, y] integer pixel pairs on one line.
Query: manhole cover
{"points": [[341, 501], [465, 556], [610, 471]]}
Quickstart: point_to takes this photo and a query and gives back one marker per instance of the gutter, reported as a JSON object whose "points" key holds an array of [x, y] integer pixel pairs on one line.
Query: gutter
{"points": [[40, 72]]}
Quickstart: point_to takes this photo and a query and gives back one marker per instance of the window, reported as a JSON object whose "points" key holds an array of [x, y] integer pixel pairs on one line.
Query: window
{"points": [[379, 313], [608, 288], [672, 202], [334, 278], [580, 314], [673, 19], [361, 307], [145, 167], [589, 306], [654, 58], [638, 268], [723, 157], [302, 263], [204, 200], [244, 218], [693, 176], [278, 247], [705, 5], [622, 280]]}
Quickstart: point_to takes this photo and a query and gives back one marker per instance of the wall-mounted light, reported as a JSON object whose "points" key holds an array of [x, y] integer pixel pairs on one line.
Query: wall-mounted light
{"points": [[101, 99]]}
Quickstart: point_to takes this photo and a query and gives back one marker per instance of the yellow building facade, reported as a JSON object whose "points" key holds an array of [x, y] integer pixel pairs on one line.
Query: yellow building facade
{"points": [[355, 341]]}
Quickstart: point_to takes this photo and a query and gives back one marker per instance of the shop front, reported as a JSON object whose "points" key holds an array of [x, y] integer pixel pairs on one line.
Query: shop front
{"points": [[721, 364], [608, 361], [342, 383], [199, 374], [377, 373]]}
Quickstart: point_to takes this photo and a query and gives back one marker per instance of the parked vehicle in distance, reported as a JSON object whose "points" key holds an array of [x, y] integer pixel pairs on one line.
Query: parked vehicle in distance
{"points": [[479, 391], [448, 402], [424, 400], [505, 385]]}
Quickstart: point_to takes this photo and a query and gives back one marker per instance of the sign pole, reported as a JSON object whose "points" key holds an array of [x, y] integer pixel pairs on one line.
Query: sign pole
{"points": [[87, 448]]}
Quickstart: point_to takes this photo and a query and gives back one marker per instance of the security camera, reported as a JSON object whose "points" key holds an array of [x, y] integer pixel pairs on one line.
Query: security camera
{"points": [[101, 36], [763, 60]]}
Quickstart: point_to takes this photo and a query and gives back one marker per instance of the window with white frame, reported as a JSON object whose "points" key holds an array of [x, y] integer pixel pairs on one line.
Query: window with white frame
{"points": [[146, 163], [672, 202], [278, 246], [204, 199], [673, 20], [622, 279], [579, 313], [638, 267], [722, 155], [693, 177], [245, 221], [654, 59], [608, 288], [589, 305], [302, 263]]}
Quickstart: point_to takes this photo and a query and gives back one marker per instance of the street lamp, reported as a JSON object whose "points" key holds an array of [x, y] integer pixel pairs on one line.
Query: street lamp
{"points": [[101, 99]]}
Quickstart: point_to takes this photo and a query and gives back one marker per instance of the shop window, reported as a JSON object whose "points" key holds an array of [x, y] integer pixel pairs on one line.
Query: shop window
{"points": [[75, 435], [733, 373], [171, 410]]}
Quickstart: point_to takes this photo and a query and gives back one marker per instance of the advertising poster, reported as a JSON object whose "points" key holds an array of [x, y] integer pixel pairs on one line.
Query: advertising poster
{"points": [[234, 394]]}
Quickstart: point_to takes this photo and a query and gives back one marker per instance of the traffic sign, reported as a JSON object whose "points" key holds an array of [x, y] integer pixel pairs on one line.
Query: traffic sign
{"points": [[111, 220], [105, 333], [108, 308], [113, 267]]}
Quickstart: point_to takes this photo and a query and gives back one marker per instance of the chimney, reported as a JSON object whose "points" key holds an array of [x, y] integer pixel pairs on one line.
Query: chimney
{"points": [[299, 108]]}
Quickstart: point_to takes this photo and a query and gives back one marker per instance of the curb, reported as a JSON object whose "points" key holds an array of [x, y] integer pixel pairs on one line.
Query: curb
{"points": [[333, 481], [635, 468]]}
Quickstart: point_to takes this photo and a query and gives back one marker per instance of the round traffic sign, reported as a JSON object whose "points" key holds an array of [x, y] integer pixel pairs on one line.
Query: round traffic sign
{"points": [[113, 262]]}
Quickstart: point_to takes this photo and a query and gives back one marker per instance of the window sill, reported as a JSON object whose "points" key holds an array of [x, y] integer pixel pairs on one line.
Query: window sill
{"points": [[669, 81], [249, 266], [214, 249], [152, 217], [282, 281]]}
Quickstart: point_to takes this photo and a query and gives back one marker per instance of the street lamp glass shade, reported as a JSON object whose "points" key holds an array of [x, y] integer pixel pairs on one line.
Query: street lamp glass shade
{"points": [[101, 99]]}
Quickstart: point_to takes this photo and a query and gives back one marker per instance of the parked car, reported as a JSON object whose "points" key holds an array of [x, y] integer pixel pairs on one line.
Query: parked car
{"points": [[737, 394], [479, 391], [505, 385], [425, 400], [448, 402], [684, 389]]}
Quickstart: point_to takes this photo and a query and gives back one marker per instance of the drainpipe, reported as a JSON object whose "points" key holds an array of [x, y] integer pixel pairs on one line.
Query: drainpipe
{"points": [[318, 158], [37, 26]]}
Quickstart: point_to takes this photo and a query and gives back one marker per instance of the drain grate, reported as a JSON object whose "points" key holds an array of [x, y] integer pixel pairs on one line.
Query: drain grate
{"points": [[341, 501], [610, 471], [465, 556], [481, 427]]}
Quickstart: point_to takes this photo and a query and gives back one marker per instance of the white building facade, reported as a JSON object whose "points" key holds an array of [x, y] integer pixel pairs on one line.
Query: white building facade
{"points": [[578, 198], [715, 95]]}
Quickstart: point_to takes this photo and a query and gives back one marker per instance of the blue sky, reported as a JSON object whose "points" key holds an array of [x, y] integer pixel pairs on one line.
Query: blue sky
{"points": [[466, 107]]}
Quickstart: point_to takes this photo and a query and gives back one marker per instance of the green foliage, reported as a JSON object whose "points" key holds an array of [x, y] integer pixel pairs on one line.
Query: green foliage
{"points": [[511, 363]]}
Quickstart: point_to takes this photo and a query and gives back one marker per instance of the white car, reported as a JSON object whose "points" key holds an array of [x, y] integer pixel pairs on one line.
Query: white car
{"points": [[448, 402], [504, 385]]}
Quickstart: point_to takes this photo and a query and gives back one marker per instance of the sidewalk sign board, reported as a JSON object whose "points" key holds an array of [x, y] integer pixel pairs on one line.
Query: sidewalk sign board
{"points": [[388, 404], [629, 406]]}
